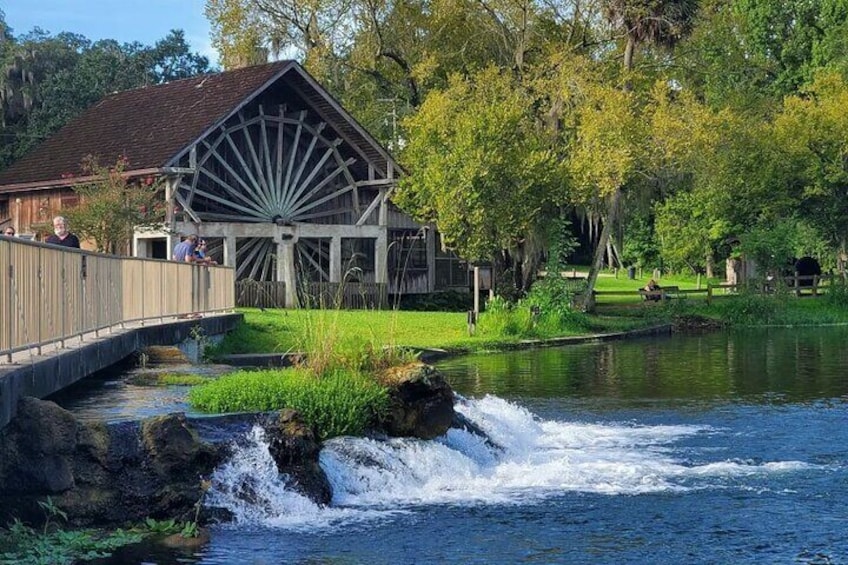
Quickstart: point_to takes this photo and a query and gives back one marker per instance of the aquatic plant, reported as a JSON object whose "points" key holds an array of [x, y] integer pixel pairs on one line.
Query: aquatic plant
{"points": [[336, 403], [22, 545]]}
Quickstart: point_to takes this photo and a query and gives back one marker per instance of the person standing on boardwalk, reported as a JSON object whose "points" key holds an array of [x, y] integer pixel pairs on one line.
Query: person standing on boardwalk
{"points": [[184, 250], [61, 235]]}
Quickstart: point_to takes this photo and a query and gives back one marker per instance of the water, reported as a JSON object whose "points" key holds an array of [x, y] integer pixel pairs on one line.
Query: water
{"points": [[724, 448]]}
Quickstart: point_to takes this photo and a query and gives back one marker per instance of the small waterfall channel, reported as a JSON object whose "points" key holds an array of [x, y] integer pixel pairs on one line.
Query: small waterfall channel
{"points": [[521, 460]]}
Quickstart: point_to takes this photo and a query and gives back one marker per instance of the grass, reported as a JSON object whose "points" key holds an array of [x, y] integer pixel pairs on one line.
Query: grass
{"points": [[282, 330], [338, 403], [168, 379]]}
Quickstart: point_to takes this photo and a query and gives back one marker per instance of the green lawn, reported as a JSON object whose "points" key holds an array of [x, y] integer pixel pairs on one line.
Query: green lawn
{"points": [[311, 330], [285, 330]]}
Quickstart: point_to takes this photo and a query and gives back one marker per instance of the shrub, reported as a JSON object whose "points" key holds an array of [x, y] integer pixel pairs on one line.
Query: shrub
{"points": [[337, 403], [751, 309], [502, 318], [837, 294]]}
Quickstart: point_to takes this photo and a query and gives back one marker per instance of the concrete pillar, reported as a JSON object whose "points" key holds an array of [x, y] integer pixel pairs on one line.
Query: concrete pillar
{"points": [[381, 274], [171, 241], [335, 259], [285, 271], [384, 208], [230, 251]]}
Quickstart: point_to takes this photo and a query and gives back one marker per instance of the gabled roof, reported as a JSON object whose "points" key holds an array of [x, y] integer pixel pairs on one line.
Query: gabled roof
{"points": [[153, 125]]}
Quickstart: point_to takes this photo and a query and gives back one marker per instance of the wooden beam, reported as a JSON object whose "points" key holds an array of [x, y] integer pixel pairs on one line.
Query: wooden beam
{"points": [[369, 210]]}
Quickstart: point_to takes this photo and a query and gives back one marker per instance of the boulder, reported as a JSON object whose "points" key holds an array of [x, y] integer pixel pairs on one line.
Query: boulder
{"points": [[100, 474], [295, 449], [421, 402]]}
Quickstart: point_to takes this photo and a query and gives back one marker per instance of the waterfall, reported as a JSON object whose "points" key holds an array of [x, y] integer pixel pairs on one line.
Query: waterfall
{"points": [[518, 459]]}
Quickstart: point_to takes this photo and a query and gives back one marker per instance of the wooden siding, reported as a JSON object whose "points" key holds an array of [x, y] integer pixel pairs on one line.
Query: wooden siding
{"points": [[32, 212]]}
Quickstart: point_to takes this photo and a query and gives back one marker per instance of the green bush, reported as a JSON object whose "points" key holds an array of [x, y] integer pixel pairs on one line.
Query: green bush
{"points": [[752, 309], [503, 319], [837, 295], [337, 403]]}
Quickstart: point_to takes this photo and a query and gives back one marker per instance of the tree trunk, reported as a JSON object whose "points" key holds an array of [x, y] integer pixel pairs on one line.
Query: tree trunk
{"points": [[597, 262], [710, 263]]}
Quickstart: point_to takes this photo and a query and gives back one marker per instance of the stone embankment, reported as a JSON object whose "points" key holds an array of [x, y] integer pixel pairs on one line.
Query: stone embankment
{"points": [[115, 474]]}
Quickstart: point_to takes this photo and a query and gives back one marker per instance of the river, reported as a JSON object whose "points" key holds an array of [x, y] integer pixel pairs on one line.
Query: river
{"points": [[720, 448]]}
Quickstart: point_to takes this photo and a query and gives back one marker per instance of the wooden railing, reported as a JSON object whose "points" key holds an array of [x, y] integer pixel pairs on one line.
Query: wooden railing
{"points": [[348, 295], [797, 285], [50, 294]]}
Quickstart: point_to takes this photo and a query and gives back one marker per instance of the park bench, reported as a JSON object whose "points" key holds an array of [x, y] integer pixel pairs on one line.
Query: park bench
{"points": [[662, 293]]}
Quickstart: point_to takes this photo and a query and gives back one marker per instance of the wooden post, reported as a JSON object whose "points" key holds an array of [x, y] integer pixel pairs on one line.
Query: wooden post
{"points": [[815, 285], [797, 285], [476, 291]]}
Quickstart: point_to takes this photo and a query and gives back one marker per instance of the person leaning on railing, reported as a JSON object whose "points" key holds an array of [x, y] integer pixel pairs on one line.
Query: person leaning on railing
{"points": [[200, 257], [61, 235], [184, 250], [9, 231]]}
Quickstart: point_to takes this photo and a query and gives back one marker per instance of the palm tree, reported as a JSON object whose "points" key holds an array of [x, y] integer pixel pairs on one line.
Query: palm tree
{"points": [[661, 23]]}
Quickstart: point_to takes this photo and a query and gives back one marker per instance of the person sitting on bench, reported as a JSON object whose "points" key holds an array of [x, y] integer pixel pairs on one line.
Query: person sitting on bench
{"points": [[652, 288]]}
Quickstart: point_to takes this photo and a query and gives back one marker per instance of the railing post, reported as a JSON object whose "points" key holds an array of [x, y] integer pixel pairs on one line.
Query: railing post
{"points": [[64, 310], [41, 298], [10, 307], [143, 310], [82, 275]]}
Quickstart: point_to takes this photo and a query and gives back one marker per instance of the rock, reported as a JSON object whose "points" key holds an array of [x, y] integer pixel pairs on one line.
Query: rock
{"points": [[178, 541], [421, 403], [100, 474], [164, 355], [36, 449], [294, 448]]}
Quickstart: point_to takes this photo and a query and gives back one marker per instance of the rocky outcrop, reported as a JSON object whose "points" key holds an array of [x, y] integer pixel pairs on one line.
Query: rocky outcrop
{"points": [[115, 474], [295, 449], [421, 403], [98, 473]]}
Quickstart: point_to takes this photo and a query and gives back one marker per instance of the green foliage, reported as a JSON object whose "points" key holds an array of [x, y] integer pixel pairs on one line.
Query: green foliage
{"points": [[504, 319], [641, 247], [837, 295], [479, 167], [112, 206], [47, 80], [22, 545], [750, 309], [339, 403], [165, 527], [772, 247]]}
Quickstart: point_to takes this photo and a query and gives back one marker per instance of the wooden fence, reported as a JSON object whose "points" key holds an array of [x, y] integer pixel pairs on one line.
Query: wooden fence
{"points": [[348, 295], [815, 285], [49, 294]]}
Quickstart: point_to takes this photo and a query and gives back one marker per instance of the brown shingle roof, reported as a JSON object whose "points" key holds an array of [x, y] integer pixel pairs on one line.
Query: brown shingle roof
{"points": [[149, 125]]}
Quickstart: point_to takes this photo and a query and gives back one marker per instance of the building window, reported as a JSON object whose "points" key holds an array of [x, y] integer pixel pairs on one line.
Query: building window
{"points": [[358, 259], [451, 271]]}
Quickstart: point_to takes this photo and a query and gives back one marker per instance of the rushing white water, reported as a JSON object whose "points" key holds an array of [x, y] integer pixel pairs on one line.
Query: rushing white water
{"points": [[521, 460]]}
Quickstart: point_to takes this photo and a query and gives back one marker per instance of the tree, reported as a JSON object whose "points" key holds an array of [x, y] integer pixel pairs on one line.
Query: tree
{"points": [[112, 206], [655, 22], [46, 80], [812, 131], [481, 169]]}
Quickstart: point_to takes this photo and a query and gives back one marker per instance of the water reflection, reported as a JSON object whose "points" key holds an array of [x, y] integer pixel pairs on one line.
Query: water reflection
{"points": [[770, 364], [114, 394]]}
